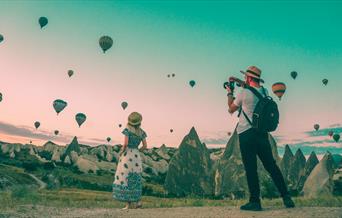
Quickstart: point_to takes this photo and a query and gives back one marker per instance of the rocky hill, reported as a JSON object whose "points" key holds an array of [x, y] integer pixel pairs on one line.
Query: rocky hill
{"points": [[190, 169]]}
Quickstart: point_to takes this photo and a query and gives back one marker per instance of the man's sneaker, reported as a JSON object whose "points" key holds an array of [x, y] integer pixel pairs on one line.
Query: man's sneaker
{"points": [[288, 201], [254, 206]]}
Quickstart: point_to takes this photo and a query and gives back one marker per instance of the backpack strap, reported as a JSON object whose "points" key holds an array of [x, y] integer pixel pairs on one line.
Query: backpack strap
{"points": [[255, 92], [249, 121]]}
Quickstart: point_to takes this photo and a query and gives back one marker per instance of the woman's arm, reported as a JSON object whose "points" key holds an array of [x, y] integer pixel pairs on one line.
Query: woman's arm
{"points": [[124, 145], [144, 145]]}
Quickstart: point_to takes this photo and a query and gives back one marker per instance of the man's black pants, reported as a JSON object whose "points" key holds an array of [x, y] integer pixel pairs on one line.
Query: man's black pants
{"points": [[253, 143]]}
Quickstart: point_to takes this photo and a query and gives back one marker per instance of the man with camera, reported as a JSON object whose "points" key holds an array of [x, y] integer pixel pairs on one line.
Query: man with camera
{"points": [[258, 115]]}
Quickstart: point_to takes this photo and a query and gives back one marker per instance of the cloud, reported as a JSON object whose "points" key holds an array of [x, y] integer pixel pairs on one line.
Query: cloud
{"points": [[29, 132], [216, 141], [215, 138], [319, 150], [24, 131], [325, 131]]}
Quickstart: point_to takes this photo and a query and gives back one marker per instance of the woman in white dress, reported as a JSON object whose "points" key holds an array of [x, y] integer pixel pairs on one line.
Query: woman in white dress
{"points": [[127, 185]]}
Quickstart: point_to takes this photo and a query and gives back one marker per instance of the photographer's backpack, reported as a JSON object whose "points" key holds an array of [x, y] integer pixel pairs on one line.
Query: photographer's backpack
{"points": [[266, 114]]}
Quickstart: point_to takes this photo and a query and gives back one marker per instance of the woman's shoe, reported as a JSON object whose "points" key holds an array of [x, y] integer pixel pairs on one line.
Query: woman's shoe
{"points": [[128, 206], [125, 208]]}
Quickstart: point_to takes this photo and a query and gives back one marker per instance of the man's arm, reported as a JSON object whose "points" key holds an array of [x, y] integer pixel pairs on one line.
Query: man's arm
{"points": [[231, 106]]}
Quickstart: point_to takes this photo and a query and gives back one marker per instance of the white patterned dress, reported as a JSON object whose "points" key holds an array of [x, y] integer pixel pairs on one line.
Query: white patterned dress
{"points": [[127, 185]]}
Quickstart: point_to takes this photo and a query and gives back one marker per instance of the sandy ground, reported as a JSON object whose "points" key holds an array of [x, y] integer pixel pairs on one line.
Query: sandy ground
{"points": [[302, 212]]}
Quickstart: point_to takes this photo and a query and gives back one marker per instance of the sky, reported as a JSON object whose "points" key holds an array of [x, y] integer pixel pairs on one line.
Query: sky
{"points": [[205, 41]]}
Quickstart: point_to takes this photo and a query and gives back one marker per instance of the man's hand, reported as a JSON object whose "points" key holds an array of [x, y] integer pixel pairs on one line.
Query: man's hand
{"points": [[228, 89]]}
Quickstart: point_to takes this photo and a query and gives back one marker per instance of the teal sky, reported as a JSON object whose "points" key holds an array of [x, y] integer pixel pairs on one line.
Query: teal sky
{"points": [[206, 41]]}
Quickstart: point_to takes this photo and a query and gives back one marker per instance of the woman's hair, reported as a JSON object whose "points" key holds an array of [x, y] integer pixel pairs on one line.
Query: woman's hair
{"points": [[135, 129]]}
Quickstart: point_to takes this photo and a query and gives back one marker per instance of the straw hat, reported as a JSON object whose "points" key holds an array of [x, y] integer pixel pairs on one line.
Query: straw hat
{"points": [[134, 118], [253, 71]]}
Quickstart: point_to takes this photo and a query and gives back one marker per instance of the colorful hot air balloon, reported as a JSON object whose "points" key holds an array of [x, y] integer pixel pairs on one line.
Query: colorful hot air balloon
{"points": [[325, 81], [56, 132], [192, 83], [80, 118], [1, 38], [279, 89], [43, 21], [330, 133], [336, 137], [294, 74], [316, 127], [59, 105], [108, 139], [124, 105], [171, 130], [106, 43], [70, 73], [0, 97], [36, 124]]}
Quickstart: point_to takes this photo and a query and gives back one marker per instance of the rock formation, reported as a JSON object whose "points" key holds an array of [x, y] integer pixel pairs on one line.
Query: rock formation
{"points": [[295, 170], [320, 181], [190, 168], [309, 166]]}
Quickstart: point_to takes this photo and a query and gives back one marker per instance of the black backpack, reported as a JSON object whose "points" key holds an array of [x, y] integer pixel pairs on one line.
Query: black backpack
{"points": [[266, 114]]}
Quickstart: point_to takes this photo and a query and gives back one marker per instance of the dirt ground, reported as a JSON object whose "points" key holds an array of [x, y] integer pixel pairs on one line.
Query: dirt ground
{"points": [[179, 212]]}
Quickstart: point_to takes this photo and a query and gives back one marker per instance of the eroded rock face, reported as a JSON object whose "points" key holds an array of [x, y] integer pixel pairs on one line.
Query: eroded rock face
{"points": [[190, 168], [296, 169], [73, 146], [286, 162], [320, 181], [309, 166], [230, 175]]}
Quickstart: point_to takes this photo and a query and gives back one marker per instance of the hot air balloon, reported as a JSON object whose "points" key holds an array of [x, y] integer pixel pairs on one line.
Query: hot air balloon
{"points": [[325, 81], [106, 43], [59, 105], [336, 137], [80, 118], [0, 97], [279, 89], [56, 132], [316, 127], [43, 21], [192, 83], [173, 75], [120, 125], [36, 124], [1, 38], [294, 74], [171, 130], [330, 133], [70, 73], [124, 105], [30, 142], [108, 139]]}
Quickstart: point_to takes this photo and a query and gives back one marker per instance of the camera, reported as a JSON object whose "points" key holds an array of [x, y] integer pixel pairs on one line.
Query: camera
{"points": [[231, 83]]}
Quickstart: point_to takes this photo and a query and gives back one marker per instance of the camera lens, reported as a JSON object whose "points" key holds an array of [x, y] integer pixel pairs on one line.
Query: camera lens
{"points": [[225, 85]]}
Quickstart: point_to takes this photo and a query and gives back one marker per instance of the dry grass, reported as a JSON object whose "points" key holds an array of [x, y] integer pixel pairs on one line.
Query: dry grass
{"points": [[79, 198]]}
